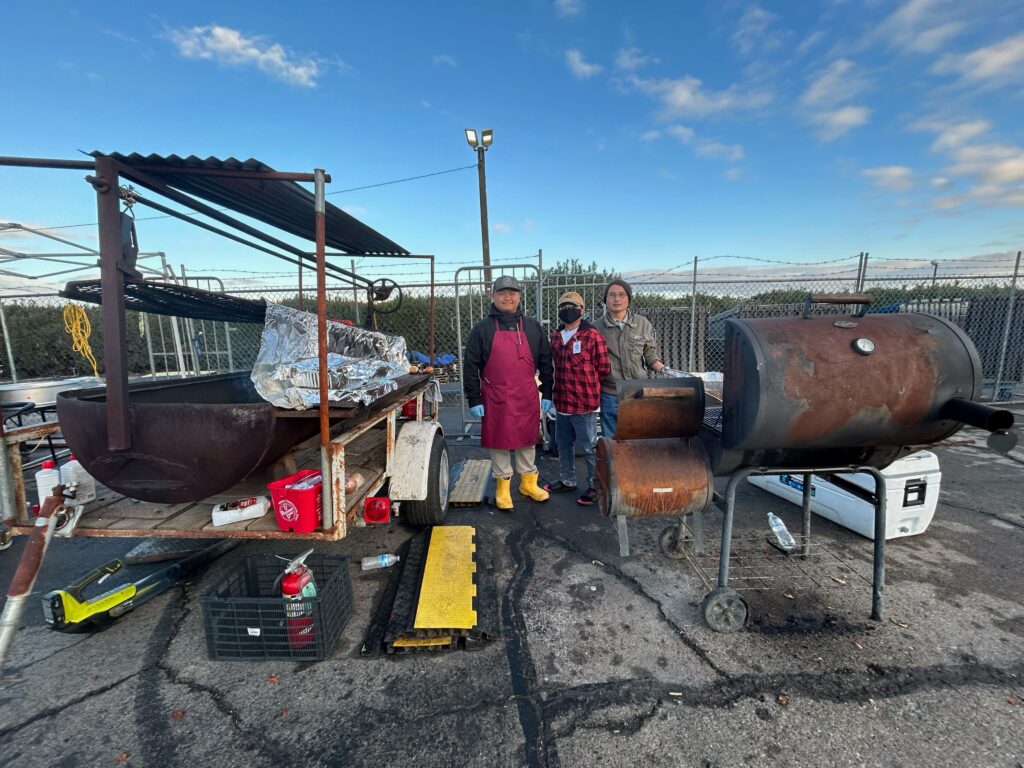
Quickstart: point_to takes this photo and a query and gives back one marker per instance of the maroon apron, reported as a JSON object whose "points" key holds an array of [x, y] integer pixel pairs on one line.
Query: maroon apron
{"points": [[509, 390]]}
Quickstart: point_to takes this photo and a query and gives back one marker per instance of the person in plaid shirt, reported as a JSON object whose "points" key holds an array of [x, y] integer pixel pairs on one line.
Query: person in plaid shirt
{"points": [[580, 356]]}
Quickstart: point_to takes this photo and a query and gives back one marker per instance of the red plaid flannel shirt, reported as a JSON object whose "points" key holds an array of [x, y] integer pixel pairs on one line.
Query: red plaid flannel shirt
{"points": [[578, 375]]}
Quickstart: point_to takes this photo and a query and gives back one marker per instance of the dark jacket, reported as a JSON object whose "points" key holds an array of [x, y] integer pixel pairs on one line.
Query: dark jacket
{"points": [[478, 349]]}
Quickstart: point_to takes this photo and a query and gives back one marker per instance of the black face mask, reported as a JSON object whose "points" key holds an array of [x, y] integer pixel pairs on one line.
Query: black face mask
{"points": [[569, 314]]}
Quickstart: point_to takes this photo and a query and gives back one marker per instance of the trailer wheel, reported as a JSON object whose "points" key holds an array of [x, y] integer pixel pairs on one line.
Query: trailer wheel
{"points": [[433, 509], [724, 610]]}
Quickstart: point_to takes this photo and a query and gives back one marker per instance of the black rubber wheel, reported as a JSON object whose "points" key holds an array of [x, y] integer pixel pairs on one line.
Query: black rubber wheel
{"points": [[434, 509], [724, 610], [670, 544]]}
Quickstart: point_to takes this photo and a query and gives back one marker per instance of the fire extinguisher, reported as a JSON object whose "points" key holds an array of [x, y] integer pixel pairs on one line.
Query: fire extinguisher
{"points": [[297, 588]]}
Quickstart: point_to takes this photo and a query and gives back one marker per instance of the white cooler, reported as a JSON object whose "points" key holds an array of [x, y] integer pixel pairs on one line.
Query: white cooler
{"points": [[911, 494]]}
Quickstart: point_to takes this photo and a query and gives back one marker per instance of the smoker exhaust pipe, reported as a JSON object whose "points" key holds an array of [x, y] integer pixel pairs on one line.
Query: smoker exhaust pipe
{"points": [[977, 415], [995, 420]]}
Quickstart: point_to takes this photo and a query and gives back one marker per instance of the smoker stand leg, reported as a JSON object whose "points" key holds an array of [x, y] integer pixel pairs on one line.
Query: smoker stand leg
{"points": [[806, 527], [620, 521], [878, 585], [730, 508], [698, 533]]}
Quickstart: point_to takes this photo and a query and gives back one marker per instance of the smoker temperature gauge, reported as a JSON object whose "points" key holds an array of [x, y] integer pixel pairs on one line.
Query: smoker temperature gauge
{"points": [[863, 346]]}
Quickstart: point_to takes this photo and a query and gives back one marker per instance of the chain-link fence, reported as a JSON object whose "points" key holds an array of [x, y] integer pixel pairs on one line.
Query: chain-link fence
{"points": [[688, 311]]}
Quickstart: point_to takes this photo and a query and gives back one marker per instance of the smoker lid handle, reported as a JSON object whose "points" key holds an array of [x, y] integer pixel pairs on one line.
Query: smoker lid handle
{"points": [[674, 392], [835, 298]]}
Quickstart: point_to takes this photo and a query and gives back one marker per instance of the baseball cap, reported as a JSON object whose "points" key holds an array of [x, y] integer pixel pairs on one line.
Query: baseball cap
{"points": [[570, 297], [506, 283]]}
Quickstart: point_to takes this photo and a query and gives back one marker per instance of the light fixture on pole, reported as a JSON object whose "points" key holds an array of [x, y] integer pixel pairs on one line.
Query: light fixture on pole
{"points": [[480, 145]]}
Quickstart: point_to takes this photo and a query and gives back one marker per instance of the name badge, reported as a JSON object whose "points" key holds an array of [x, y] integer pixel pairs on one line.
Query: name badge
{"points": [[576, 347], [638, 338]]}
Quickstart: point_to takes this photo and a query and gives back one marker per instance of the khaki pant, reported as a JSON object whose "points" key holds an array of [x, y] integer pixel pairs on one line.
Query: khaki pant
{"points": [[501, 463]]}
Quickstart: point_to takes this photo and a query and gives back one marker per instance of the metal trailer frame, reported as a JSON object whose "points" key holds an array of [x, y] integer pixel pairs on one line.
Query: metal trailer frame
{"points": [[106, 174]]}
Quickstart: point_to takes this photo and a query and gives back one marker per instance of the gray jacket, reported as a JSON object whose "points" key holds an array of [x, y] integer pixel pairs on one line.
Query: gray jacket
{"points": [[631, 349]]}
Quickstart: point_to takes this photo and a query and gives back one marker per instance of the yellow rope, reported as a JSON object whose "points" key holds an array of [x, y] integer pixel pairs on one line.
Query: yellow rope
{"points": [[76, 323]]}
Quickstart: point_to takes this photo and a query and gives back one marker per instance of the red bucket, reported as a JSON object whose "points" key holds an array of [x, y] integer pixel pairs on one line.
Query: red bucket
{"points": [[299, 510]]}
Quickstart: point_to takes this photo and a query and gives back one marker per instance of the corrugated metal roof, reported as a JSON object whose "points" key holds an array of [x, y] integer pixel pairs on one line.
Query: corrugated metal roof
{"points": [[282, 204]]}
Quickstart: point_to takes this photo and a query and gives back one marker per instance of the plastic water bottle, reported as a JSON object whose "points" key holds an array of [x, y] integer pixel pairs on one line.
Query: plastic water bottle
{"points": [[785, 538], [75, 473], [378, 561], [46, 479]]}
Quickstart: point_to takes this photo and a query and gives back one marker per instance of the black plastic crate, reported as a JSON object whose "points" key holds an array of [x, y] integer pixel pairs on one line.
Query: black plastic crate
{"points": [[246, 617]]}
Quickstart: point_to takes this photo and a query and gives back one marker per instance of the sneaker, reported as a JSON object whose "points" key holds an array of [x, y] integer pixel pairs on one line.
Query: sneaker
{"points": [[588, 499], [559, 487]]}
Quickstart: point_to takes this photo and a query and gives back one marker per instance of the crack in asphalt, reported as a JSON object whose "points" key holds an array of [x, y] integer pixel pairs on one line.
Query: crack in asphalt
{"points": [[54, 711], [58, 652], [540, 748], [839, 686], [996, 515], [628, 727], [637, 588]]}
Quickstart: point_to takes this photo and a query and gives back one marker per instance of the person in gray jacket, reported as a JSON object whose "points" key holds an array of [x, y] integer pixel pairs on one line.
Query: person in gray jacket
{"points": [[631, 348]]}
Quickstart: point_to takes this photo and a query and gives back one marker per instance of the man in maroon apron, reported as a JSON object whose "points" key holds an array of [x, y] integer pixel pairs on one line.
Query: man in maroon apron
{"points": [[505, 352]]}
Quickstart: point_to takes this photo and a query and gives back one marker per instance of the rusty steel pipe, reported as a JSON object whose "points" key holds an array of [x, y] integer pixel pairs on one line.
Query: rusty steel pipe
{"points": [[662, 408], [651, 478], [25, 576], [320, 221], [977, 415]]}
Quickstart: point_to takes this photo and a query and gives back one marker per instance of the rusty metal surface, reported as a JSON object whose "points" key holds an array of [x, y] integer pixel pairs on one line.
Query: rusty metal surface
{"points": [[659, 408], [650, 478], [115, 355], [795, 383], [190, 438]]}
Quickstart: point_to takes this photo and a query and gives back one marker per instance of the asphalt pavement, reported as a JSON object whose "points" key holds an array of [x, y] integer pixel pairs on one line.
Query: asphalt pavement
{"points": [[603, 660]]}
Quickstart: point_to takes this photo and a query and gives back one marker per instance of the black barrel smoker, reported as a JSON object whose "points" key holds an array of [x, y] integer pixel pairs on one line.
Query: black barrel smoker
{"points": [[807, 394]]}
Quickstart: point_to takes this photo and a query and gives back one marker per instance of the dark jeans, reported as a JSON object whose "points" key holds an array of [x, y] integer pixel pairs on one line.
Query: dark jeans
{"points": [[576, 431], [609, 414]]}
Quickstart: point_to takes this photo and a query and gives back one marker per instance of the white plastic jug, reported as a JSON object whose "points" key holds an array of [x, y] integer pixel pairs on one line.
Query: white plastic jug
{"points": [[74, 472], [46, 479]]}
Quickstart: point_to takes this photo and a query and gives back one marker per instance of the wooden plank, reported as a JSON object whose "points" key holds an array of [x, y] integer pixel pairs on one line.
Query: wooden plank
{"points": [[133, 524], [191, 519], [141, 510]]}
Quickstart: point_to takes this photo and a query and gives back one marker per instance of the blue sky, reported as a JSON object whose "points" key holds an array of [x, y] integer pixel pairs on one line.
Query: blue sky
{"points": [[637, 135]]}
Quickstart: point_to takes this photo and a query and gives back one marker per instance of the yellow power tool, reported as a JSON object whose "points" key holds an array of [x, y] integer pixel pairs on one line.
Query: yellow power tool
{"points": [[66, 610]]}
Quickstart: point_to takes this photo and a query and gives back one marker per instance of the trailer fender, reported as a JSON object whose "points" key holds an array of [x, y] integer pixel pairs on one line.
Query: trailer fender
{"points": [[411, 473]]}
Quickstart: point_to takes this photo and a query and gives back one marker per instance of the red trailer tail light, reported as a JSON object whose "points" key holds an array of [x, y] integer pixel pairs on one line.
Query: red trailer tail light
{"points": [[377, 509]]}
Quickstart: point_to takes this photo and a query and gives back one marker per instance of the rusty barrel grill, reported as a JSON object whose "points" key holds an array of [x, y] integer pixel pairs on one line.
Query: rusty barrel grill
{"points": [[802, 394]]}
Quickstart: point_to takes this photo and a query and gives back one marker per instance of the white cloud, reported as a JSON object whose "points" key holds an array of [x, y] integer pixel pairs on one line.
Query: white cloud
{"points": [[631, 59], [424, 103], [651, 135], [117, 35], [579, 66], [733, 174], [681, 132], [445, 61], [838, 82], [958, 134], [995, 65], [895, 178], [704, 147], [231, 47], [688, 97], [994, 171], [832, 125], [569, 7], [921, 26], [502, 228], [529, 225], [752, 31], [809, 42], [730, 152]]}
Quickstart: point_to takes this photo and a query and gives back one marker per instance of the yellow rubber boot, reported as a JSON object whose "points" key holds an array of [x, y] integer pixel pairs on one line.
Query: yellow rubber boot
{"points": [[503, 494], [528, 487]]}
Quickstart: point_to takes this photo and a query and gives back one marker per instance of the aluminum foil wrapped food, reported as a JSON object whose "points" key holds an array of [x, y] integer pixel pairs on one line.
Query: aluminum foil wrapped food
{"points": [[362, 365]]}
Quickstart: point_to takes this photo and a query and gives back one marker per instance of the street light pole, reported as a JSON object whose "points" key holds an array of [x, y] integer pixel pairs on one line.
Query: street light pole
{"points": [[480, 147]]}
